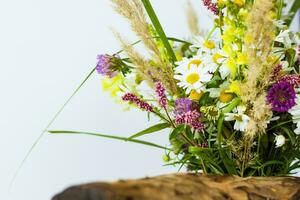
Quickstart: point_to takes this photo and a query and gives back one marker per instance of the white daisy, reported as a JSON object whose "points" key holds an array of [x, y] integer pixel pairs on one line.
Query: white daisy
{"points": [[193, 78], [205, 46], [241, 120], [187, 63]]}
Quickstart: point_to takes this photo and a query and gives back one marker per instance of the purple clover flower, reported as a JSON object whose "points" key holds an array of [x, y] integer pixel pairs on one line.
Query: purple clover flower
{"points": [[190, 118], [183, 105], [106, 65], [281, 96]]}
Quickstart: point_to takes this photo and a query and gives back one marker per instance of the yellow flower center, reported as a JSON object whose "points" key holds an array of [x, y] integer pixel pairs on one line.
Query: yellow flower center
{"points": [[194, 95], [225, 97], [238, 118], [209, 44], [193, 78], [194, 62], [241, 59], [216, 57]]}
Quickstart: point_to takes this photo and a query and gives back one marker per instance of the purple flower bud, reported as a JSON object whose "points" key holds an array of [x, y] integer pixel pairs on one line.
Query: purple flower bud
{"points": [[211, 6], [132, 98], [160, 91], [108, 65]]}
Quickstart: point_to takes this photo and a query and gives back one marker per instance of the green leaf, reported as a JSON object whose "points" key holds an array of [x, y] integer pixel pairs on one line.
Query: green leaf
{"points": [[159, 29], [290, 54], [232, 105], [228, 162], [151, 129], [290, 133], [176, 131], [179, 40], [227, 109], [108, 136], [295, 7], [272, 162], [195, 150]]}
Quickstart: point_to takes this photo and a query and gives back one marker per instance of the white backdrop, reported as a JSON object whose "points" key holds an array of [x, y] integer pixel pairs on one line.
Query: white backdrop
{"points": [[46, 48]]}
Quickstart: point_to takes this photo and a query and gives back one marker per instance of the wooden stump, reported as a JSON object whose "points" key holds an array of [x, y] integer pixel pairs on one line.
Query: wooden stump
{"points": [[188, 187]]}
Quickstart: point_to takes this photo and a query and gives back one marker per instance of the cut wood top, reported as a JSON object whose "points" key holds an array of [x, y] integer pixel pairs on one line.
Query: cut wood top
{"points": [[186, 186]]}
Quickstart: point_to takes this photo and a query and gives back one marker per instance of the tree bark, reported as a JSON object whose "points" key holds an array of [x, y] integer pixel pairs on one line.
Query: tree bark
{"points": [[188, 187]]}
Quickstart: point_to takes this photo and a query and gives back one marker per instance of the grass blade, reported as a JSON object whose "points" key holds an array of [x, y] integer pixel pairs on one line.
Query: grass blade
{"points": [[228, 162], [55, 117], [62, 108], [159, 29], [48, 125], [151, 129], [125, 139], [295, 7]]}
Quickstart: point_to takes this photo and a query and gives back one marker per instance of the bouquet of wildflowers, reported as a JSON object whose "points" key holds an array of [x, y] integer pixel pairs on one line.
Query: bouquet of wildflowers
{"points": [[230, 98]]}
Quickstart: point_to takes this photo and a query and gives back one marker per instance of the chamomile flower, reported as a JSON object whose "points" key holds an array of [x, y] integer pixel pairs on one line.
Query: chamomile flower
{"points": [[241, 120], [187, 63], [194, 78], [221, 93], [205, 46]]}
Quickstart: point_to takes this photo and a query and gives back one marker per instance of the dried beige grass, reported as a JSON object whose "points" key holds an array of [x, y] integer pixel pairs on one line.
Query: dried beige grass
{"points": [[149, 72], [157, 70], [192, 19], [134, 12], [261, 30]]}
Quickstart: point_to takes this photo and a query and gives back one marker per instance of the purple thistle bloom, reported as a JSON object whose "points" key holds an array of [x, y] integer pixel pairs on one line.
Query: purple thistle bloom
{"points": [[183, 105], [281, 96], [106, 65], [132, 98], [160, 91]]}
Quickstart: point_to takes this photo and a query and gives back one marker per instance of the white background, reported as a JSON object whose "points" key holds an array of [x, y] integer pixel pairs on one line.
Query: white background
{"points": [[46, 48]]}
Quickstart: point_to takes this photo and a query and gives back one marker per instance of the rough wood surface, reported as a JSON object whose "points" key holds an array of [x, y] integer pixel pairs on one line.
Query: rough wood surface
{"points": [[188, 187]]}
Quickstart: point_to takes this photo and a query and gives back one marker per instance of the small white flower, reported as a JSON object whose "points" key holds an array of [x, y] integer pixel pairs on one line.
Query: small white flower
{"points": [[241, 120], [279, 140]]}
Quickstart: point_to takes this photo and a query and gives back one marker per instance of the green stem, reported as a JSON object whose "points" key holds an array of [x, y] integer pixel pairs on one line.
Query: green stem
{"points": [[227, 109], [280, 7], [125, 139], [159, 29], [167, 113], [211, 32]]}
